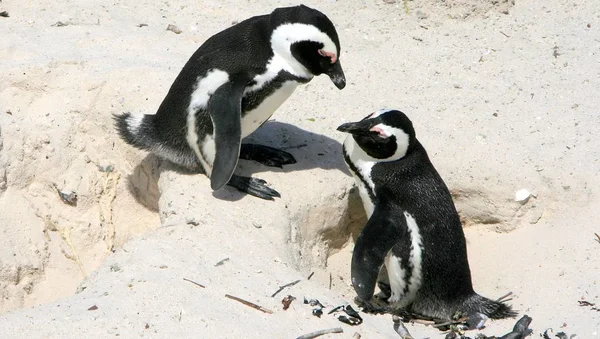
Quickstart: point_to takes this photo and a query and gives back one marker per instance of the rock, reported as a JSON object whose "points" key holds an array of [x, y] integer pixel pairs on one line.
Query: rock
{"points": [[522, 196], [174, 29]]}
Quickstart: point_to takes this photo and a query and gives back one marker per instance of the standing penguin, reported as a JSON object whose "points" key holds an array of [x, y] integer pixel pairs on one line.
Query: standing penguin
{"points": [[413, 226], [229, 87]]}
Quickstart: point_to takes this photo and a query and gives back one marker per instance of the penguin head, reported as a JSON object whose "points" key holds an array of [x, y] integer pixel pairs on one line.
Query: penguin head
{"points": [[385, 135], [308, 42]]}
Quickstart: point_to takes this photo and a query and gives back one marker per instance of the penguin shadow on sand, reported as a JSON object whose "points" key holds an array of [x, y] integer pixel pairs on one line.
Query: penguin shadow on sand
{"points": [[311, 150]]}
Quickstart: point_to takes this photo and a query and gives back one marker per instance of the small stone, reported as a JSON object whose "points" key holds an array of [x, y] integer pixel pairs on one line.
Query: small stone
{"points": [[69, 197], [421, 15], [457, 86], [522, 196], [106, 168], [476, 321], [174, 29], [87, 159]]}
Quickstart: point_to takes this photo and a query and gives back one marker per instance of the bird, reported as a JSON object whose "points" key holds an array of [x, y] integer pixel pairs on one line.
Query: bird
{"points": [[413, 228], [231, 86]]}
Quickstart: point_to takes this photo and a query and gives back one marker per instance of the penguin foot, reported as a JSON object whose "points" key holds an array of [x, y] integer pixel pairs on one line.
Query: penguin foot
{"points": [[253, 186], [266, 155], [374, 305]]}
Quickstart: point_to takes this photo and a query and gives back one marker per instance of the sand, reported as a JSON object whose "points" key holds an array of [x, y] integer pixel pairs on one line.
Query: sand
{"points": [[504, 96]]}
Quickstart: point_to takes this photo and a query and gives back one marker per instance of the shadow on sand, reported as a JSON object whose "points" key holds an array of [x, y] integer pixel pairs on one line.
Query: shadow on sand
{"points": [[311, 150]]}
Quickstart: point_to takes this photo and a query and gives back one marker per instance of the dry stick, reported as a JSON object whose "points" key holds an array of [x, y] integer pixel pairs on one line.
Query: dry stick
{"points": [[506, 35], [454, 322], [320, 333], [247, 303], [502, 298], [284, 286], [195, 283], [310, 276], [423, 322], [597, 236]]}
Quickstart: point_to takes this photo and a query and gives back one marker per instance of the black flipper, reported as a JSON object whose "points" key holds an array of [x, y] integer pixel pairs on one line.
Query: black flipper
{"points": [[253, 186], [225, 108], [268, 156], [372, 245]]}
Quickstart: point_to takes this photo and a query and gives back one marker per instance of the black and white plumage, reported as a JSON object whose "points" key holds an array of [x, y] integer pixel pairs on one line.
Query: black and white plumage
{"points": [[229, 87], [413, 227]]}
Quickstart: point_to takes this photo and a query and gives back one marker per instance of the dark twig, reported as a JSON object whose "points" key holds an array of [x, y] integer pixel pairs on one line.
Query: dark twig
{"points": [[504, 297], [195, 283], [284, 286], [221, 262], [330, 280], [506, 35], [247, 303], [313, 273], [597, 236], [321, 332]]}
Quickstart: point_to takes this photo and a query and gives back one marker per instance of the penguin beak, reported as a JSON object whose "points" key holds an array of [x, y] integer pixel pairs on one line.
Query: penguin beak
{"points": [[356, 128], [336, 74]]}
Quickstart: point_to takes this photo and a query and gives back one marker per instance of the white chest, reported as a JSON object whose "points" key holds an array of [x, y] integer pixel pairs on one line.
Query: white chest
{"points": [[364, 164], [256, 117], [364, 196]]}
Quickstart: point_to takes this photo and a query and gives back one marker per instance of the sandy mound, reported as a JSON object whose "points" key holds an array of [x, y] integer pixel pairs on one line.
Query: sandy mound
{"points": [[502, 95]]}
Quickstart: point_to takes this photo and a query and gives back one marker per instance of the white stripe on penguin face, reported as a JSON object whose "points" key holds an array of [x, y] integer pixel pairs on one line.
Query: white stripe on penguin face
{"points": [[285, 35]]}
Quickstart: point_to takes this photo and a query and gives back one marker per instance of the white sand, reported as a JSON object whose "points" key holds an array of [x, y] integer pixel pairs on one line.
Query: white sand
{"points": [[500, 101]]}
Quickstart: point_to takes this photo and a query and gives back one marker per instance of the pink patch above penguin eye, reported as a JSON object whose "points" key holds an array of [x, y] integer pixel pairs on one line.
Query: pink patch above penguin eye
{"points": [[331, 56], [380, 132]]}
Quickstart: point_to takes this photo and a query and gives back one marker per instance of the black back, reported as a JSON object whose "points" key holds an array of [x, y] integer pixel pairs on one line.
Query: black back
{"points": [[241, 50], [413, 184]]}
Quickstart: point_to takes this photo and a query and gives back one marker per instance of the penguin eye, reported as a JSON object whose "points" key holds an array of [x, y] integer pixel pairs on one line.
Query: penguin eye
{"points": [[379, 132], [332, 58]]}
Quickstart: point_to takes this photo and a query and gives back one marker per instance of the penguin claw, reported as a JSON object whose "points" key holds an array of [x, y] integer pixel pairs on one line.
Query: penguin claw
{"points": [[266, 155], [253, 186]]}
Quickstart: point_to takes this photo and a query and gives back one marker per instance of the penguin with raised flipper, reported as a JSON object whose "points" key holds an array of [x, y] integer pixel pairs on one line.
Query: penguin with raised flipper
{"points": [[413, 227], [232, 85]]}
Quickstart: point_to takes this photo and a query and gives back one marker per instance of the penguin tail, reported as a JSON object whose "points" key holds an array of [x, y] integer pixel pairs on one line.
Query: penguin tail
{"points": [[138, 131], [492, 308]]}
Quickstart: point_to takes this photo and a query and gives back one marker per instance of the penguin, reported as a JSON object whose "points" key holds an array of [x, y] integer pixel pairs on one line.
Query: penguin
{"points": [[232, 85], [413, 228]]}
